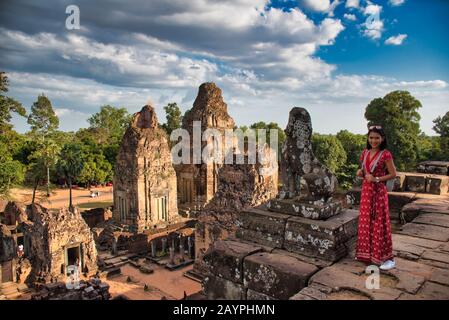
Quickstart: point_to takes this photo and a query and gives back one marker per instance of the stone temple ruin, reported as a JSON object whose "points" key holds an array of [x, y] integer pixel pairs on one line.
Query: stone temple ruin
{"points": [[51, 241], [145, 195], [279, 245], [198, 183], [240, 186]]}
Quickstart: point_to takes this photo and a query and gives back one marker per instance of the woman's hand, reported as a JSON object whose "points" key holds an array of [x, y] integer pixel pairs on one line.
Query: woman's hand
{"points": [[370, 178], [359, 173]]}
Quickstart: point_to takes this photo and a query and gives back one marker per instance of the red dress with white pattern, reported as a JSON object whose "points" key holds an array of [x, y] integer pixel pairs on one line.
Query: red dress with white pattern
{"points": [[374, 244]]}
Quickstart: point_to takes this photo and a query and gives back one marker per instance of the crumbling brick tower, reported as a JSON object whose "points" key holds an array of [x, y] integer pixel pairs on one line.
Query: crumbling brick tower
{"points": [[197, 183], [144, 179]]}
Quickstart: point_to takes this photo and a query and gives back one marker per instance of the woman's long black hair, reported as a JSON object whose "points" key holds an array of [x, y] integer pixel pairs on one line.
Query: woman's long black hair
{"points": [[379, 130]]}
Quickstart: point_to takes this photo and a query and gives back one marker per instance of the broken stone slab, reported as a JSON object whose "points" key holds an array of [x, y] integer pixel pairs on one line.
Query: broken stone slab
{"points": [[440, 276], [320, 263], [254, 295], [145, 269], [338, 279], [225, 259], [312, 292], [433, 291], [276, 275], [434, 167], [220, 288], [322, 239], [263, 227], [436, 256], [424, 243], [415, 268], [433, 219], [425, 231], [318, 211], [397, 200], [300, 296]]}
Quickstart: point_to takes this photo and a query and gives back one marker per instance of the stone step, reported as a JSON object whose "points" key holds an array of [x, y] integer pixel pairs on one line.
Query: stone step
{"points": [[9, 290], [7, 285], [276, 275], [322, 239], [263, 227], [315, 211]]}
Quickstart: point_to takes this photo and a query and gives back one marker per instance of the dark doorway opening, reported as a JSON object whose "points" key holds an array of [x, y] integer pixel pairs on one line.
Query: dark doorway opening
{"points": [[73, 256]]}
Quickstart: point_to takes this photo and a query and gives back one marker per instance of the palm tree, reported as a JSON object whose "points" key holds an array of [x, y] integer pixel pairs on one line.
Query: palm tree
{"points": [[70, 165]]}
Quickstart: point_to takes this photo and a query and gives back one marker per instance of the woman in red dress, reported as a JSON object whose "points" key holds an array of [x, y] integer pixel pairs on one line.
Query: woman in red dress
{"points": [[374, 244]]}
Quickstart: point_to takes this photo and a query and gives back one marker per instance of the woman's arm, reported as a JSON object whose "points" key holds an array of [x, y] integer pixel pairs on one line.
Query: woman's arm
{"points": [[391, 173]]}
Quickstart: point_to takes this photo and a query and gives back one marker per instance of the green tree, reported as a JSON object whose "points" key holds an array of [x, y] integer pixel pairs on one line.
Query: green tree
{"points": [[268, 127], [11, 171], [398, 114], [173, 117], [96, 169], [442, 125], [109, 125], [442, 128], [70, 165], [7, 105], [329, 150], [353, 144], [44, 158], [44, 122], [43, 119]]}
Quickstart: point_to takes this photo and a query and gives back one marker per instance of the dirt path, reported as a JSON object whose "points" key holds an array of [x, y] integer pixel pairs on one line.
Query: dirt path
{"points": [[60, 197]]}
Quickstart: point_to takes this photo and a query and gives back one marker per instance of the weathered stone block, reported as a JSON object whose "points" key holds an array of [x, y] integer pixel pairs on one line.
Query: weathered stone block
{"points": [[415, 183], [399, 182], [307, 210], [254, 295], [434, 167], [276, 275], [225, 259], [322, 239], [397, 200], [218, 288], [437, 184], [262, 227]]}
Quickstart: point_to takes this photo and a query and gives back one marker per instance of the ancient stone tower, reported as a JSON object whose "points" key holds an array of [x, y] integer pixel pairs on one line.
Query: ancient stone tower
{"points": [[144, 178], [198, 182]]}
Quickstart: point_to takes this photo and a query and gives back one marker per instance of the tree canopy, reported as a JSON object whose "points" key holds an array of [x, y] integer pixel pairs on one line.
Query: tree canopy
{"points": [[397, 113]]}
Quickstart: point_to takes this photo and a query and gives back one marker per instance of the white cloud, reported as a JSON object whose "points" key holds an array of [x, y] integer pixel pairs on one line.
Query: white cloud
{"points": [[396, 40], [352, 3], [396, 3], [349, 16], [317, 5]]}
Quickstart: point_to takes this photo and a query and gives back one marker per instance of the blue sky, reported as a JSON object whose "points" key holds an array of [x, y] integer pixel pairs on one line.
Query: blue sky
{"points": [[267, 56]]}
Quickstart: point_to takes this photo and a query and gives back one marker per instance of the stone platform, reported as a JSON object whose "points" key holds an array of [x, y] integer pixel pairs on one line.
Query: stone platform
{"points": [[323, 239]]}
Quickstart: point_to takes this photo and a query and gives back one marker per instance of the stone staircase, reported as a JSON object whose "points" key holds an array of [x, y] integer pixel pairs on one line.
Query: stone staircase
{"points": [[9, 291]]}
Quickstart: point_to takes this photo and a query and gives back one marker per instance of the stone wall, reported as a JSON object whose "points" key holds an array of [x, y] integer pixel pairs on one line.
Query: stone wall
{"points": [[96, 216]]}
